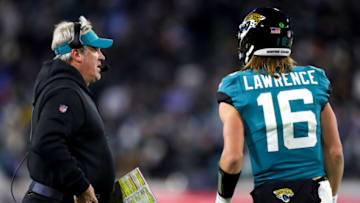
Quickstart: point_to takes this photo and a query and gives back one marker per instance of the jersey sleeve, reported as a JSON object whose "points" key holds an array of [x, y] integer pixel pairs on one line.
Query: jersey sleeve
{"points": [[60, 118], [227, 90], [325, 87]]}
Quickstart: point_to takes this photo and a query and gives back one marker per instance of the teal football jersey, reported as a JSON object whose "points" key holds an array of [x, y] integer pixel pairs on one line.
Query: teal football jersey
{"points": [[281, 119]]}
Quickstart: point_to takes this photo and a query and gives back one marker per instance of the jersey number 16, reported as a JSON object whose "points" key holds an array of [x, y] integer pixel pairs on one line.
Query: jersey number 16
{"points": [[288, 119]]}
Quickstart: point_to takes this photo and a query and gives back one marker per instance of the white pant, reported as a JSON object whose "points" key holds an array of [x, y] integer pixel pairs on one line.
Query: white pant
{"points": [[325, 192]]}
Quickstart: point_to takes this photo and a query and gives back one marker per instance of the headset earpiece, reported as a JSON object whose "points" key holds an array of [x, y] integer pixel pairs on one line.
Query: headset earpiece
{"points": [[76, 41]]}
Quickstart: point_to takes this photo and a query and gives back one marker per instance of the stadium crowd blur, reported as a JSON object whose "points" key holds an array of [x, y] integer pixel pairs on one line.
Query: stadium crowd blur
{"points": [[158, 99]]}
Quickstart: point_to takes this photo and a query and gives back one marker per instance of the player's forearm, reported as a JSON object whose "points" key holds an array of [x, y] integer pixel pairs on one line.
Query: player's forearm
{"points": [[334, 167], [230, 163], [332, 148]]}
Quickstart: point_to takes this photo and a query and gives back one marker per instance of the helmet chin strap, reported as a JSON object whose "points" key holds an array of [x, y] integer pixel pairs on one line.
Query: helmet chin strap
{"points": [[248, 53]]}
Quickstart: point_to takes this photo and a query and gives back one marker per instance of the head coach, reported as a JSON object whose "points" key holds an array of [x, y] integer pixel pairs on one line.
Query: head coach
{"points": [[69, 158]]}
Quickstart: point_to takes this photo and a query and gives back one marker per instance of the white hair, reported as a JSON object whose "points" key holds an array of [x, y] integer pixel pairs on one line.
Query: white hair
{"points": [[63, 34]]}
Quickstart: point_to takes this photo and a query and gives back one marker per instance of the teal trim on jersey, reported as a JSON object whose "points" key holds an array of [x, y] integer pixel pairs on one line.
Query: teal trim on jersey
{"points": [[245, 87]]}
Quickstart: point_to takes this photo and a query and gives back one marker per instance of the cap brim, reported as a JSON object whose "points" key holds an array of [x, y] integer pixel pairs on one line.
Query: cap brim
{"points": [[101, 43], [91, 39]]}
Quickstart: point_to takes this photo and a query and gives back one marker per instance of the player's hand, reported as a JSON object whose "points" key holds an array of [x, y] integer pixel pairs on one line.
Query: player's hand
{"points": [[335, 198], [86, 197], [220, 199]]}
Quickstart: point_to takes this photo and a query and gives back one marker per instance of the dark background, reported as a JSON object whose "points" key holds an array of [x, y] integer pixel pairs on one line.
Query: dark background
{"points": [[158, 100]]}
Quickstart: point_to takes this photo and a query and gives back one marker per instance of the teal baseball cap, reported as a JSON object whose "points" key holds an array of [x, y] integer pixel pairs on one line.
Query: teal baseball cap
{"points": [[88, 39]]}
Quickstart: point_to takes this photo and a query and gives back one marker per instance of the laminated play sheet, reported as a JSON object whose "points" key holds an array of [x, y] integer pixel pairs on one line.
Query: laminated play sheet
{"points": [[134, 188]]}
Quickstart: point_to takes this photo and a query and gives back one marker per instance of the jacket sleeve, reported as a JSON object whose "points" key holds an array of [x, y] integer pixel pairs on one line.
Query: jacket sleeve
{"points": [[60, 118]]}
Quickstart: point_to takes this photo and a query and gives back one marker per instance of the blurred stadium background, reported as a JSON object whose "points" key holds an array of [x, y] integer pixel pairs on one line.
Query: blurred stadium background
{"points": [[158, 100]]}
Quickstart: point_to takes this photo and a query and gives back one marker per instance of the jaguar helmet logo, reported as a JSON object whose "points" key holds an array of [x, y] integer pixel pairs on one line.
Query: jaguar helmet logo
{"points": [[284, 194], [255, 16], [249, 22]]}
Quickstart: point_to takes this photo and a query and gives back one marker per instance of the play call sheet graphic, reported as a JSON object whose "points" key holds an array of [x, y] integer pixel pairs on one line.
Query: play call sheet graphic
{"points": [[134, 188]]}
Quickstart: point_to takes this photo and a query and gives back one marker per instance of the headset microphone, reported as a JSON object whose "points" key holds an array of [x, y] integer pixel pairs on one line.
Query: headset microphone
{"points": [[105, 67]]}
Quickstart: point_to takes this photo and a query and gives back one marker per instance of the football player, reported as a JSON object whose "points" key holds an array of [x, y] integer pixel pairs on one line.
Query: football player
{"points": [[281, 111]]}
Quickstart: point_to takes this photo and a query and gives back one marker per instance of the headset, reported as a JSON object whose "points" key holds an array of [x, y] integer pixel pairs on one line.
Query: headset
{"points": [[21, 162], [76, 43]]}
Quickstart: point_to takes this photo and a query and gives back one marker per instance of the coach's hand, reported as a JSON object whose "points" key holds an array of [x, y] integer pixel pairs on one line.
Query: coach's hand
{"points": [[86, 197]]}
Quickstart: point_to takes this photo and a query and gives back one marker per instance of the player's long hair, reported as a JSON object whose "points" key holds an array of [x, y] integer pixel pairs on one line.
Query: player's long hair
{"points": [[271, 65]]}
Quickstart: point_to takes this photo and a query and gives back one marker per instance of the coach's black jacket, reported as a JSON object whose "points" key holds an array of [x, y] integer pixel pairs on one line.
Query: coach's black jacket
{"points": [[68, 148]]}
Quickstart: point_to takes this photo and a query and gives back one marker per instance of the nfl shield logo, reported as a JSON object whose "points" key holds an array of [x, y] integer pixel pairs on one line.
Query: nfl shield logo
{"points": [[63, 108]]}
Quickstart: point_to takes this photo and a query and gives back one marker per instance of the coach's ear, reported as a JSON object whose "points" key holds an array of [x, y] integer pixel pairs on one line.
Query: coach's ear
{"points": [[76, 56]]}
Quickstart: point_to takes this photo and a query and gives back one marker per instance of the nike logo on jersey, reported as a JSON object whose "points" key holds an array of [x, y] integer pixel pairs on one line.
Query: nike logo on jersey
{"points": [[285, 80]]}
